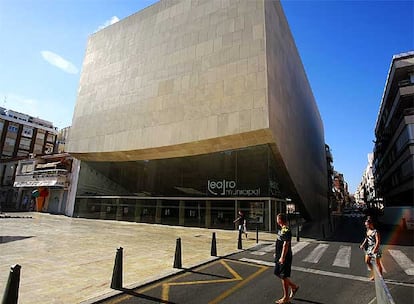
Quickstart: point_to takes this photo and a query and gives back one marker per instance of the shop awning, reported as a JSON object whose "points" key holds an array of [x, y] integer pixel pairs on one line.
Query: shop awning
{"points": [[44, 183], [47, 165]]}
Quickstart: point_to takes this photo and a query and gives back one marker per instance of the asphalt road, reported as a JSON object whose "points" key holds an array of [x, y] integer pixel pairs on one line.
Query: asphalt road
{"points": [[327, 272]]}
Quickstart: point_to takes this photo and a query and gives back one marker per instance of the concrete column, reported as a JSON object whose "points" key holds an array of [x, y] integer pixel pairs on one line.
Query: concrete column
{"points": [[158, 211], [73, 185], [181, 213], [208, 214], [138, 211], [270, 217], [119, 210], [102, 214]]}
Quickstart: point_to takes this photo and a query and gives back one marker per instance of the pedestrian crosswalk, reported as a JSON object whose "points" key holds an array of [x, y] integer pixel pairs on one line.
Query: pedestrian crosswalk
{"points": [[343, 257], [312, 253], [299, 246], [403, 261], [316, 254], [264, 250]]}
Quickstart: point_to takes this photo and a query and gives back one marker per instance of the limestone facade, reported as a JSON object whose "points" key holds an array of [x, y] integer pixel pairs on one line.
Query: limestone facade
{"points": [[190, 77]]}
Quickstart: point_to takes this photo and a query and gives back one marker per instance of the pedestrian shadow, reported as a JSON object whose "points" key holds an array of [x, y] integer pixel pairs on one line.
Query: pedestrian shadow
{"points": [[299, 300]]}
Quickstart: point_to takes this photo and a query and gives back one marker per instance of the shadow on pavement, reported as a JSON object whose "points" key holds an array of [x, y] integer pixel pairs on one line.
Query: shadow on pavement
{"points": [[143, 296], [206, 274], [7, 238]]}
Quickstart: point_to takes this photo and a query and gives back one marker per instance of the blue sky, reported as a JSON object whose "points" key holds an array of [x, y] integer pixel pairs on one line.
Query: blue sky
{"points": [[346, 48]]}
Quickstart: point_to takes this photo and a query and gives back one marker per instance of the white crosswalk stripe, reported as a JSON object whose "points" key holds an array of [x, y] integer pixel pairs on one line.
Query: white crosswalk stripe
{"points": [[343, 257], [264, 250], [316, 254], [298, 247], [402, 260]]}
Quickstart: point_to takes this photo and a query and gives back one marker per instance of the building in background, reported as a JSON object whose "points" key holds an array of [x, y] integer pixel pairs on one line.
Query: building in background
{"points": [[365, 194], [394, 143], [338, 193], [21, 136], [188, 111], [62, 138], [44, 183], [394, 132], [330, 175]]}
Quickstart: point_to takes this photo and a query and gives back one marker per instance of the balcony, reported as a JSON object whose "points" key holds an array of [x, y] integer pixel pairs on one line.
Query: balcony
{"points": [[43, 178]]}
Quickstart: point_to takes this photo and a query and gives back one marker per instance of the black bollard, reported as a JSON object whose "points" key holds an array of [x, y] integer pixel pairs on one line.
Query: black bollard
{"points": [[116, 282], [11, 294], [257, 233], [177, 257], [323, 231], [297, 232], [239, 243], [213, 245]]}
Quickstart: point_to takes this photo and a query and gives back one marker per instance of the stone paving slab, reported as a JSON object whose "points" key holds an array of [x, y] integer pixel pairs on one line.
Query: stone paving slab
{"points": [[70, 260]]}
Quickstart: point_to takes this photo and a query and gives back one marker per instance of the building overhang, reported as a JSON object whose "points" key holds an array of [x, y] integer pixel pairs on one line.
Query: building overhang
{"points": [[230, 142]]}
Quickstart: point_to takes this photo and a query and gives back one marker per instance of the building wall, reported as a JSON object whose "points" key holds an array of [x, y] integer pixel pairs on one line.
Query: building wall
{"points": [[394, 132], [176, 73], [295, 122]]}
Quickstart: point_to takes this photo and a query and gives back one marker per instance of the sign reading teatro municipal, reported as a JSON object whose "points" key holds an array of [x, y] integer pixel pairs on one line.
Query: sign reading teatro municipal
{"points": [[229, 188]]}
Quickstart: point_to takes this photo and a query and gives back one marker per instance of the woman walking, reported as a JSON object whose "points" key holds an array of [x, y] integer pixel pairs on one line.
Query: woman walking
{"points": [[372, 245]]}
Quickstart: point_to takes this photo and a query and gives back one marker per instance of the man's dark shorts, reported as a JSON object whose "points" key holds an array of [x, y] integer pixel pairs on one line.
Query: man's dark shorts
{"points": [[283, 270]]}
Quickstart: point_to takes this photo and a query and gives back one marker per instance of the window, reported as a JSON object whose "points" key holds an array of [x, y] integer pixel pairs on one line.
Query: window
{"points": [[40, 135], [27, 168], [27, 132], [13, 128], [25, 144], [51, 138]]}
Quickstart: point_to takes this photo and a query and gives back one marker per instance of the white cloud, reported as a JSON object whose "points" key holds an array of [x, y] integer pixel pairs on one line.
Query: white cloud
{"points": [[114, 19], [57, 112], [59, 62]]}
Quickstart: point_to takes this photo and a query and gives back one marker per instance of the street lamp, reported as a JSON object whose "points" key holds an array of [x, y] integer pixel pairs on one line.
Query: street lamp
{"points": [[289, 208]]}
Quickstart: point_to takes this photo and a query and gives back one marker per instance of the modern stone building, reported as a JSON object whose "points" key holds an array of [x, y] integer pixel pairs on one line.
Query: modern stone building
{"points": [[190, 110]]}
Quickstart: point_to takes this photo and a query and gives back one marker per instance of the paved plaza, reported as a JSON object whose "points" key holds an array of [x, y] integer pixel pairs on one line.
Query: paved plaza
{"points": [[70, 260]]}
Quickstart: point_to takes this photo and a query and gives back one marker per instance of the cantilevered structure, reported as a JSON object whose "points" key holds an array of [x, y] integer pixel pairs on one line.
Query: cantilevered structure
{"points": [[190, 110]]}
